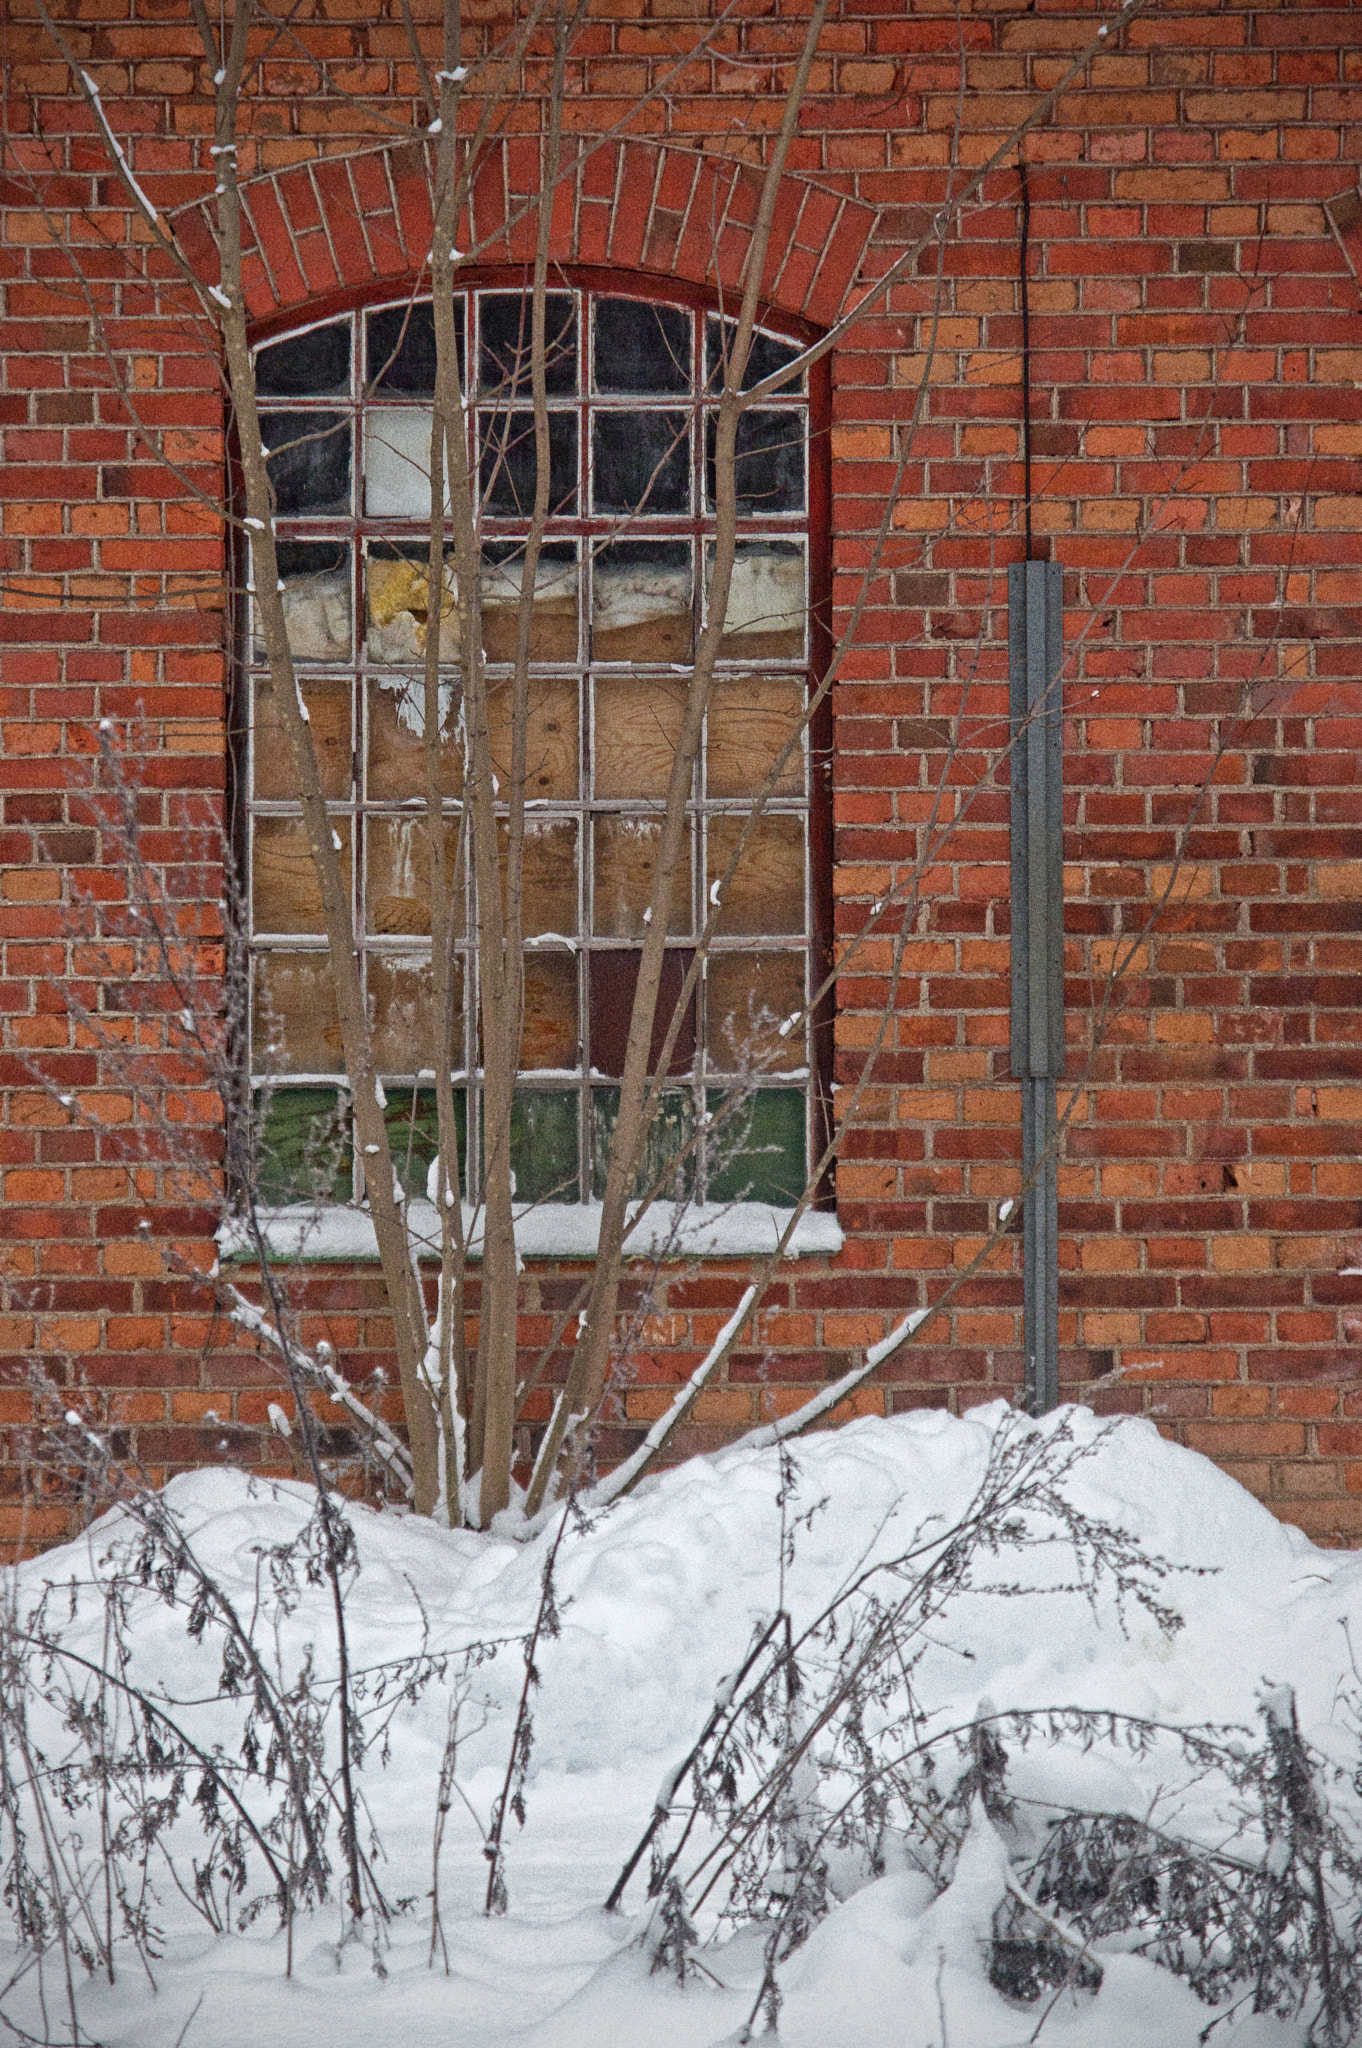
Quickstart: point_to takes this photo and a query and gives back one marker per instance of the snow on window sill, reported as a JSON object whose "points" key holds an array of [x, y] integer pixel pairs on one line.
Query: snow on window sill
{"points": [[709, 1230]]}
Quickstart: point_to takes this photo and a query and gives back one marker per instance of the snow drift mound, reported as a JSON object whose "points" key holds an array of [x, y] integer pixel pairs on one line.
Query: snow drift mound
{"points": [[659, 1599], [660, 1595]]}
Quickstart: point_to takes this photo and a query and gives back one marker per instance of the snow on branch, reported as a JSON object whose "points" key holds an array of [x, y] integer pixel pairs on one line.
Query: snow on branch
{"points": [[117, 149], [790, 1425], [388, 1447], [623, 1476]]}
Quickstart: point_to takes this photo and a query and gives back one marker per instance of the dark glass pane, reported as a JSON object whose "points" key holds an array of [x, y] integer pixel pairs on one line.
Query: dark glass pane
{"points": [[413, 1122], [544, 1146], [641, 347], [614, 977], [768, 466], [310, 468], [317, 599], [641, 601], [669, 1132], [401, 356], [315, 365], [303, 1147], [757, 1154], [767, 355], [504, 362], [509, 467], [640, 462]]}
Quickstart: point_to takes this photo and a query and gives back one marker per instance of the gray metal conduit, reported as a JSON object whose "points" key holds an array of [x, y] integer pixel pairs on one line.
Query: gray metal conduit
{"points": [[1035, 621]]}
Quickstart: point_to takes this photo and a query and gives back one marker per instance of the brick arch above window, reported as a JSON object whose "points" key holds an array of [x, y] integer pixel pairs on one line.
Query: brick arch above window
{"points": [[353, 223]]}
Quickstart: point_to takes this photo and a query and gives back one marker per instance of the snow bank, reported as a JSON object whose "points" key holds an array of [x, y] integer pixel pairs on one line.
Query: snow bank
{"points": [[659, 1598]]}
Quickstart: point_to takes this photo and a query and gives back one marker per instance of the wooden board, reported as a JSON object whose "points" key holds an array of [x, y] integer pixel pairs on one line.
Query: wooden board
{"points": [[285, 895], [767, 892]]}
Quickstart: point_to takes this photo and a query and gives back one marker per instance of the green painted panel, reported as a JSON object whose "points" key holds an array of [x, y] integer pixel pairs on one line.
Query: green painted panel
{"points": [[672, 1128], [544, 1145], [414, 1134], [764, 1145], [303, 1147]]}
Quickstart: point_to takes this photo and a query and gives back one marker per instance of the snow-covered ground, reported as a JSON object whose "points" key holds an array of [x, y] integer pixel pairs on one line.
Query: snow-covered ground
{"points": [[659, 1597]]}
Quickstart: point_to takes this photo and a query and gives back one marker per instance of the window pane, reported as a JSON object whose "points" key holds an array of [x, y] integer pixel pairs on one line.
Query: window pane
{"points": [[396, 765], [550, 1036], [760, 1149], [641, 347], [767, 354], [285, 893], [397, 876], [768, 463], [328, 713], [767, 892], [766, 602], [641, 601], [544, 1146], [640, 462], [413, 1121], [550, 735], [317, 598], [671, 1129], [750, 719], [397, 603], [309, 468], [548, 875], [614, 977], [626, 859], [400, 1016], [748, 996], [312, 365], [637, 726], [509, 465], [553, 614], [397, 462], [401, 343], [294, 1026], [303, 1147], [504, 362]]}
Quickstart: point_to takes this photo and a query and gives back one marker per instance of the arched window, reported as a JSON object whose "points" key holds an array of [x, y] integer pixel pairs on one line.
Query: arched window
{"points": [[619, 598]]}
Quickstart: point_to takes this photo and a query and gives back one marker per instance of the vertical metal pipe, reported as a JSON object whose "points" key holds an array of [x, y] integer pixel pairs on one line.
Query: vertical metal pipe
{"points": [[1040, 1246], [1025, 266], [1036, 654]]}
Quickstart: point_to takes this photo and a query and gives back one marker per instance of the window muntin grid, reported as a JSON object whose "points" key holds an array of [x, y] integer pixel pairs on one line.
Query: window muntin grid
{"points": [[620, 596]]}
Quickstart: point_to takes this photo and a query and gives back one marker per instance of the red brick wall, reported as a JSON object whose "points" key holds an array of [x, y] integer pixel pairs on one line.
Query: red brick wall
{"points": [[1196, 377]]}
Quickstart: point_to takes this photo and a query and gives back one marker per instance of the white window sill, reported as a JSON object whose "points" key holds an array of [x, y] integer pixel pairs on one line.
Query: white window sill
{"points": [[552, 1230]]}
